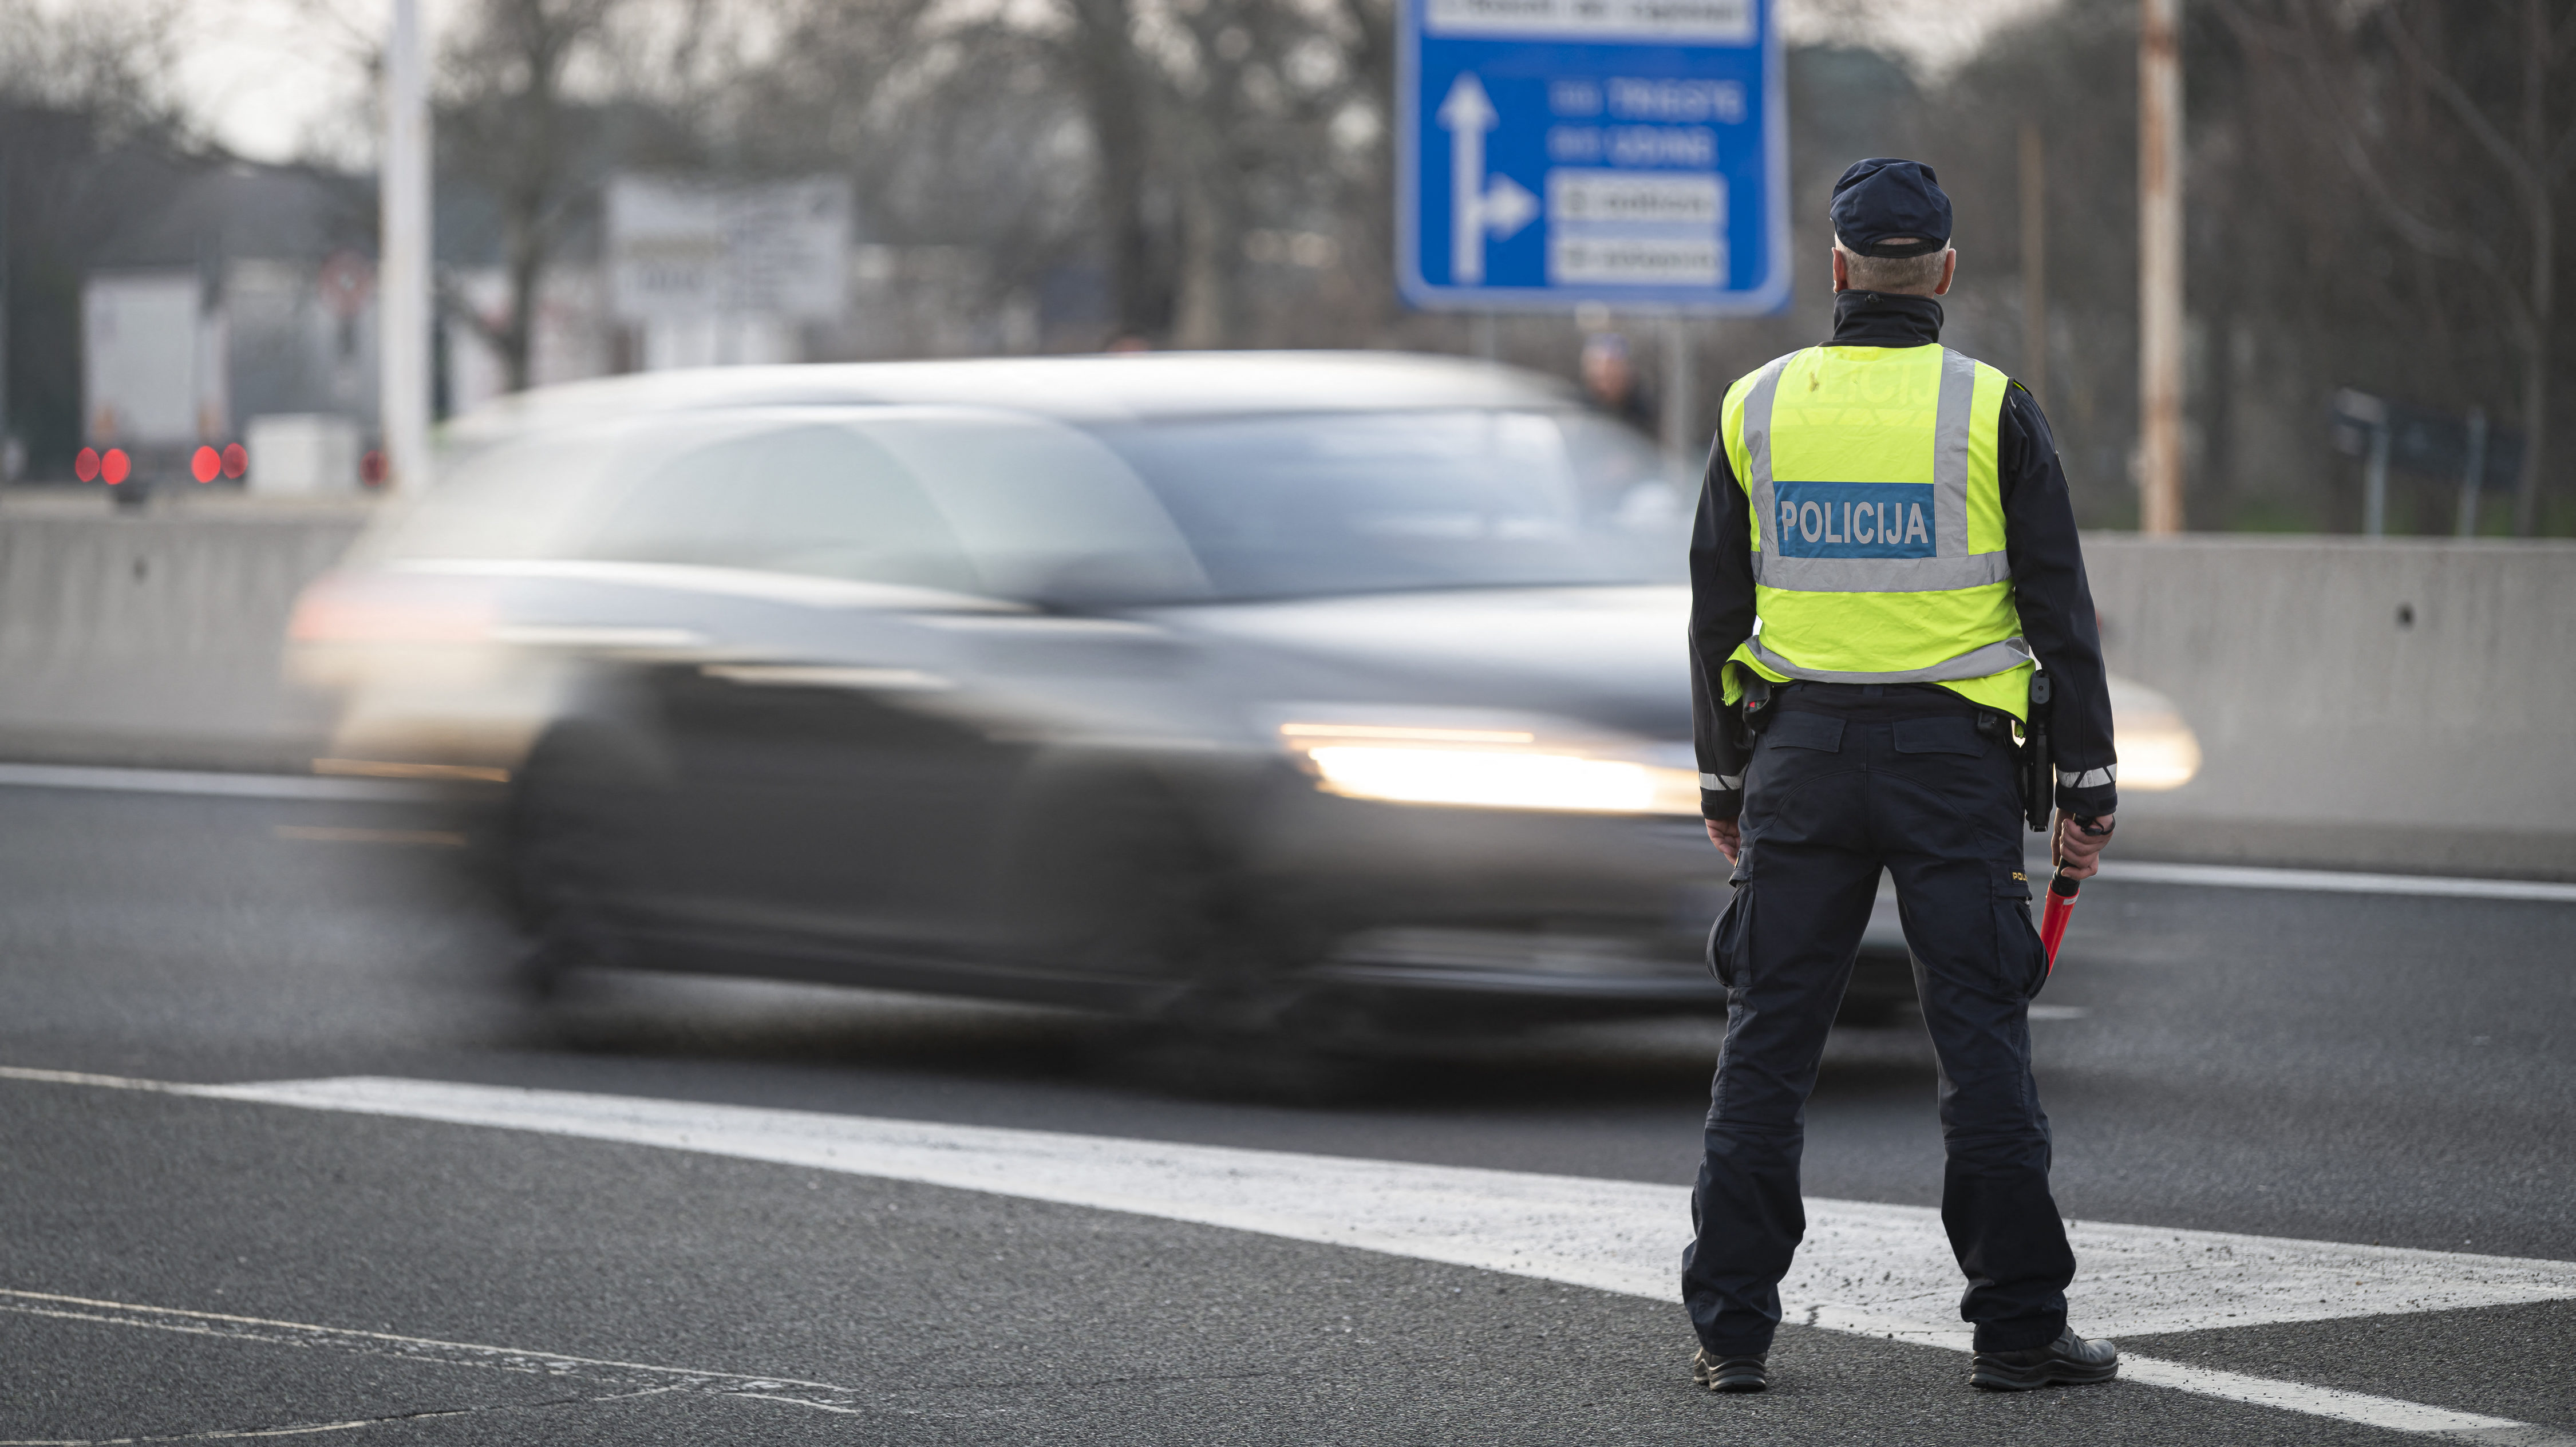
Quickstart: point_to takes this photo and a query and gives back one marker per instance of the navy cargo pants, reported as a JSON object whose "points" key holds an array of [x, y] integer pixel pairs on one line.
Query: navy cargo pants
{"points": [[1848, 780]]}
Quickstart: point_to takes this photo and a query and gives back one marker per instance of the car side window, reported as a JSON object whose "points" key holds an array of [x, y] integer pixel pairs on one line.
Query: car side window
{"points": [[808, 498], [1046, 513], [520, 500]]}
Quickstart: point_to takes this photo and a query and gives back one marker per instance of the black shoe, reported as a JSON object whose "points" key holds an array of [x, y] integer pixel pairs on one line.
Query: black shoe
{"points": [[1729, 1374], [2070, 1359]]}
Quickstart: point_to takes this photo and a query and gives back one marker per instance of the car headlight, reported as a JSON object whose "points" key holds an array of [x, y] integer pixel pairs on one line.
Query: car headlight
{"points": [[2158, 751], [1486, 769]]}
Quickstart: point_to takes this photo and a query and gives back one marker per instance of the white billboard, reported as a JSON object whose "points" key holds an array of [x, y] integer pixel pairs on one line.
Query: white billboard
{"points": [[681, 250]]}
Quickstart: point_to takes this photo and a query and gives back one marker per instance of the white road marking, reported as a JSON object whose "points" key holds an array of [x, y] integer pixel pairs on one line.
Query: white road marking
{"points": [[75, 1077], [237, 786], [363, 790], [1864, 1268], [634, 1377], [2332, 881], [1890, 1264], [2385, 1412], [332, 834]]}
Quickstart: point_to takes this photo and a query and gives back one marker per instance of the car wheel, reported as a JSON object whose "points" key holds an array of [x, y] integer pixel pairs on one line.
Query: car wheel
{"points": [[563, 846], [1108, 882]]}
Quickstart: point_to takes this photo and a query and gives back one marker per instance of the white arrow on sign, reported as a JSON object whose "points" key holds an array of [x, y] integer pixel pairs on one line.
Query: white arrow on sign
{"points": [[1474, 207], [1509, 206]]}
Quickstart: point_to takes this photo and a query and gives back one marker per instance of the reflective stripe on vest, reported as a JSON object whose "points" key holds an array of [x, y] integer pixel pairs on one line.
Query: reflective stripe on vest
{"points": [[1975, 663]]}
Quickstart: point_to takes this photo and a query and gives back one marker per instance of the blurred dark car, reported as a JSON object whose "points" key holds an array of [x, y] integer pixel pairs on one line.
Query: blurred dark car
{"points": [[1255, 689]]}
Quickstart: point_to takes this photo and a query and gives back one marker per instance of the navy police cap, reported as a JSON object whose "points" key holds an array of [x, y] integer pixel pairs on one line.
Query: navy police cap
{"points": [[1882, 198]]}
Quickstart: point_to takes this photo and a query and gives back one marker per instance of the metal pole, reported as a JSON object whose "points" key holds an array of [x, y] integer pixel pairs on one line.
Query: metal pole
{"points": [[1481, 336], [402, 283], [2160, 266], [1677, 386], [2474, 474], [8, 449], [2374, 484], [2034, 262]]}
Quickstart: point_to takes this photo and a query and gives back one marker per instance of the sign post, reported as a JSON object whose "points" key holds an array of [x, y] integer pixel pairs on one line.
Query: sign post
{"points": [[403, 315], [1631, 153]]}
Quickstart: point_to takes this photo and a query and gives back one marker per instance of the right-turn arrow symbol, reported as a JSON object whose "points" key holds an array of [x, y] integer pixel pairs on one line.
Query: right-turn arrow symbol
{"points": [[1508, 207]]}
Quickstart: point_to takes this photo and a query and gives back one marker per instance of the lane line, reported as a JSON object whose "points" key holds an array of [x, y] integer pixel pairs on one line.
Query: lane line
{"points": [[307, 1429], [233, 786], [1865, 1268], [332, 834], [234, 1434], [386, 790], [267, 1331], [2369, 1411], [2333, 881], [103, 1082], [2388, 1413]]}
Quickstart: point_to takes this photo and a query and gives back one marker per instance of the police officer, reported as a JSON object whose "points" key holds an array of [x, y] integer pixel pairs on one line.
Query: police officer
{"points": [[1884, 547]]}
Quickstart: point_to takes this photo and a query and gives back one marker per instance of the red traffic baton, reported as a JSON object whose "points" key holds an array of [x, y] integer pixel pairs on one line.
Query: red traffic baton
{"points": [[2062, 890], [2053, 915]]}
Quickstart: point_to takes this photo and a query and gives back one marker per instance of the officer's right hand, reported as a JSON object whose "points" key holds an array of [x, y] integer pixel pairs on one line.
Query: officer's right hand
{"points": [[1727, 835]]}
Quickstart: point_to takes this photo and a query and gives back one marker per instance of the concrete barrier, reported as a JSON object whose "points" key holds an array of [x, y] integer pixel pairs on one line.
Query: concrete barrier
{"points": [[2403, 705], [154, 638]]}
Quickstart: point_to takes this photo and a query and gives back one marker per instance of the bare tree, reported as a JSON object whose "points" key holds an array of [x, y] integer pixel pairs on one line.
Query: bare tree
{"points": [[112, 63], [507, 122], [2454, 120], [1116, 92], [960, 130]]}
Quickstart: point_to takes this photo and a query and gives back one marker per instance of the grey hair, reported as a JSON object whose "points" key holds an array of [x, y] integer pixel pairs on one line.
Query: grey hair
{"points": [[1905, 275]]}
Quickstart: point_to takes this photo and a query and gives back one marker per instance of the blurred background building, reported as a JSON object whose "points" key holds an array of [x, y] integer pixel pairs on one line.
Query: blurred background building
{"points": [[2371, 196]]}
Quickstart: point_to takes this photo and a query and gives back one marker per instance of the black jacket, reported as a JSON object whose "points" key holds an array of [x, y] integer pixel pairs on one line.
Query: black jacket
{"points": [[2049, 589]]}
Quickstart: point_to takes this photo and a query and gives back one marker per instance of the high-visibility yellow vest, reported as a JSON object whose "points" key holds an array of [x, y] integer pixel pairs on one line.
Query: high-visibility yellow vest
{"points": [[1878, 522]]}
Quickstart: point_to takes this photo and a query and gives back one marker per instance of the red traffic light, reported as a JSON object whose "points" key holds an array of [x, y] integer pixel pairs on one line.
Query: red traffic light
{"points": [[116, 467], [236, 460], [85, 466], [206, 464]]}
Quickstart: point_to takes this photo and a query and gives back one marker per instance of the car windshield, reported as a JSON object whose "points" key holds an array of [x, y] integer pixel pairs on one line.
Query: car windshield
{"points": [[1289, 505]]}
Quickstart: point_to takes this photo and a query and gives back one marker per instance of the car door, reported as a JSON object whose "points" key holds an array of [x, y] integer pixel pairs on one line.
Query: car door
{"points": [[860, 794], [1080, 702], [810, 804]]}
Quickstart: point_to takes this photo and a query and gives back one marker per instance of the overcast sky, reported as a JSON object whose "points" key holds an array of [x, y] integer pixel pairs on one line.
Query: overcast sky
{"points": [[284, 79]]}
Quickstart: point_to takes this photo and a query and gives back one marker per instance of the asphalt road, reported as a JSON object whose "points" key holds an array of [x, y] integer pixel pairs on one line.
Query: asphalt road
{"points": [[2331, 1068]]}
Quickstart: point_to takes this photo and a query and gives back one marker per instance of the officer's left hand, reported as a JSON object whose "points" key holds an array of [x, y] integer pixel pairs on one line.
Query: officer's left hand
{"points": [[2079, 855], [1727, 835]]}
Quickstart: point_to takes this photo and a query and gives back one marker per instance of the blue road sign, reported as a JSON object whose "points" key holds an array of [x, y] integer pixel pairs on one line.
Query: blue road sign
{"points": [[1629, 152]]}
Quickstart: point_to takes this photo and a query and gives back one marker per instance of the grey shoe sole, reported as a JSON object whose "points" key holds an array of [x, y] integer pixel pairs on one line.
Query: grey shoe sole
{"points": [[1992, 1375]]}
